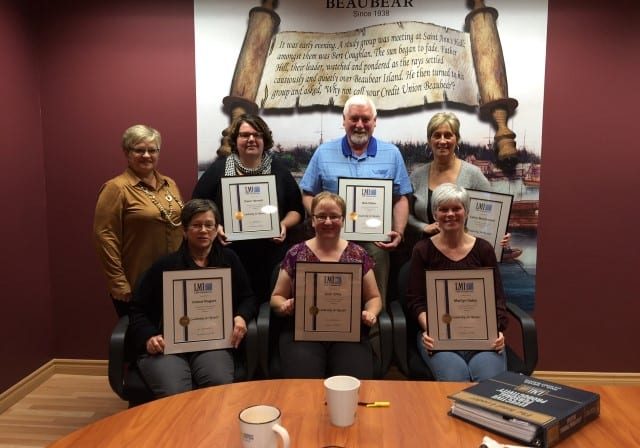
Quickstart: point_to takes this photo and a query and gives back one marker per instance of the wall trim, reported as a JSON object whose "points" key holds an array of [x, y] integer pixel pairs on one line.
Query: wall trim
{"points": [[592, 378], [99, 367], [65, 366]]}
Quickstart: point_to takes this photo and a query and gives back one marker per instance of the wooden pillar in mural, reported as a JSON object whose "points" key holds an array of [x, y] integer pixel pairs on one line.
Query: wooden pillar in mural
{"points": [[263, 23], [492, 77]]}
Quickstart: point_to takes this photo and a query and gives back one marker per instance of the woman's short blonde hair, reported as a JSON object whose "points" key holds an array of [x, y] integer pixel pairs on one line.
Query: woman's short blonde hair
{"points": [[140, 133]]}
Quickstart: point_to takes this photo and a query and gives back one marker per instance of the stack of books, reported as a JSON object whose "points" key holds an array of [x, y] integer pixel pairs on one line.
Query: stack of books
{"points": [[533, 411]]}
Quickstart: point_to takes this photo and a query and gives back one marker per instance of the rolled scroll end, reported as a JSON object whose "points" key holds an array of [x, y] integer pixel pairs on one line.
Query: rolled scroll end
{"points": [[504, 140], [232, 104]]}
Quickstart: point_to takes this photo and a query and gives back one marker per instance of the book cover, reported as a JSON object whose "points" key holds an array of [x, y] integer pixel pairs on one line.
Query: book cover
{"points": [[556, 410]]}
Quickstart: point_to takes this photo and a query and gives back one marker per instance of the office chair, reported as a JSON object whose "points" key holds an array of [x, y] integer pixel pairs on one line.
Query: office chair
{"points": [[127, 382], [406, 352]]}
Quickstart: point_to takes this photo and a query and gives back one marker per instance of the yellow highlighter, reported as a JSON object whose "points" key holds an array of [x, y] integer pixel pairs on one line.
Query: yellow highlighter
{"points": [[375, 404]]}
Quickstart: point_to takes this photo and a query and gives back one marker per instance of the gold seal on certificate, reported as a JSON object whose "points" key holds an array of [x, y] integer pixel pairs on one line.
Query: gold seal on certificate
{"points": [[369, 206], [461, 309], [197, 312], [250, 205], [328, 301]]}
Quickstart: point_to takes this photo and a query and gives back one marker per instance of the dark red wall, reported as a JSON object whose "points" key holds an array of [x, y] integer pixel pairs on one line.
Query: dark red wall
{"points": [[103, 66], [588, 249], [26, 328], [106, 66]]}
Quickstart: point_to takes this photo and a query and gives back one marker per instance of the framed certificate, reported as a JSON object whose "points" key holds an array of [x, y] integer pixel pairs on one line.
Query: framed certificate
{"points": [[197, 312], [250, 206], [489, 217], [369, 208], [461, 308], [328, 301]]}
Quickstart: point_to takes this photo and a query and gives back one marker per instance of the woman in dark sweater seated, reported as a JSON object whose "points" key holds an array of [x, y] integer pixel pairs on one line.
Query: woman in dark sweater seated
{"points": [[454, 248], [168, 374]]}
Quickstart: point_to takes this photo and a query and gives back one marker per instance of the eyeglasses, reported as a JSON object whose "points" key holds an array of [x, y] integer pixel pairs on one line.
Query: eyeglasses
{"points": [[143, 151], [332, 218], [207, 226], [248, 135]]}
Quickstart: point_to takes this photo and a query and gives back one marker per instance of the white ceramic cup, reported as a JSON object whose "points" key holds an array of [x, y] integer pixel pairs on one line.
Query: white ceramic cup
{"points": [[259, 425], [342, 399]]}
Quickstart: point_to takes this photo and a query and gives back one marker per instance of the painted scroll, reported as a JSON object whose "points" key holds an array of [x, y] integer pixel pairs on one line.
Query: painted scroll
{"points": [[400, 65]]}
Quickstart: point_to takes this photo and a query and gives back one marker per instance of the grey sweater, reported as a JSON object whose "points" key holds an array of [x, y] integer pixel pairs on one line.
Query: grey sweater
{"points": [[470, 176]]}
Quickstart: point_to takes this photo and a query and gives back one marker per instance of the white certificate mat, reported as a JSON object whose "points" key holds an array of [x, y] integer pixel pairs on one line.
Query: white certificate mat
{"points": [[369, 208], [328, 301], [197, 310], [250, 206], [489, 217], [461, 309]]}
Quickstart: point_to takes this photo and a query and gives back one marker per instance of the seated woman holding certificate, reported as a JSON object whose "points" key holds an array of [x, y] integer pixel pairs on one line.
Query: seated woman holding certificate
{"points": [[250, 139], [168, 374], [311, 359], [454, 248]]}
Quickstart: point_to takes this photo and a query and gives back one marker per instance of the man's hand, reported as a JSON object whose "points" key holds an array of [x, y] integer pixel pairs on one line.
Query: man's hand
{"points": [[395, 240]]}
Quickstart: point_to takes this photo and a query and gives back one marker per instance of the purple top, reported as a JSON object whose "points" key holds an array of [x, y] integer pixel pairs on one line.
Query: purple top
{"points": [[301, 252]]}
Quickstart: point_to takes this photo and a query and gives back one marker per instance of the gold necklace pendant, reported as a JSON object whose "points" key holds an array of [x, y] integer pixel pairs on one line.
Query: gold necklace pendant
{"points": [[166, 214]]}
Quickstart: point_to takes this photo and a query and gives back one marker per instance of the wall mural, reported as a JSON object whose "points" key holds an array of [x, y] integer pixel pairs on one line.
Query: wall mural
{"points": [[296, 63]]}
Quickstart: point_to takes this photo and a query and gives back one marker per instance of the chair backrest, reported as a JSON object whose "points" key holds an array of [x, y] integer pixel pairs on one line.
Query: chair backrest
{"points": [[403, 286], [269, 326], [403, 283]]}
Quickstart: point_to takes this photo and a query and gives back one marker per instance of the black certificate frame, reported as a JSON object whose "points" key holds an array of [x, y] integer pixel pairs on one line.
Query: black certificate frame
{"points": [[310, 303], [197, 310], [489, 215], [233, 187], [351, 190], [458, 301]]}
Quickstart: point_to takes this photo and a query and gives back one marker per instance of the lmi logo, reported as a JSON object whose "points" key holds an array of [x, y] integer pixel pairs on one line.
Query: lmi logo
{"points": [[252, 189], [202, 287], [369, 192], [464, 286], [333, 280], [484, 206]]}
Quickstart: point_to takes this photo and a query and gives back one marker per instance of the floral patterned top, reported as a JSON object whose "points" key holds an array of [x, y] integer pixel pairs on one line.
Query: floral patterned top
{"points": [[301, 252]]}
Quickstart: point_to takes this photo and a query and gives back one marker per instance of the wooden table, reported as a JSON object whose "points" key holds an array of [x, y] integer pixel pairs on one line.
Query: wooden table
{"points": [[417, 417]]}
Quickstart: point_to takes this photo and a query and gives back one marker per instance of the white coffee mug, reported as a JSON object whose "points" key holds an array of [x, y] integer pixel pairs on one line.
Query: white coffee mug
{"points": [[259, 425], [342, 399]]}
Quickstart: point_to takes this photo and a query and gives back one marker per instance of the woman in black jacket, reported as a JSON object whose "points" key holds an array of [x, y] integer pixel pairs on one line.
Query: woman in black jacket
{"points": [[168, 374]]}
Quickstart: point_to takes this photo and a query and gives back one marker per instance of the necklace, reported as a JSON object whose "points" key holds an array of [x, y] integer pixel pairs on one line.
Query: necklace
{"points": [[166, 214]]}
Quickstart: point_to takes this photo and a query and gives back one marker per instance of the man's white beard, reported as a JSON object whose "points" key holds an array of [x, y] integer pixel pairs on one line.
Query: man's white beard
{"points": [[359, 140]]}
